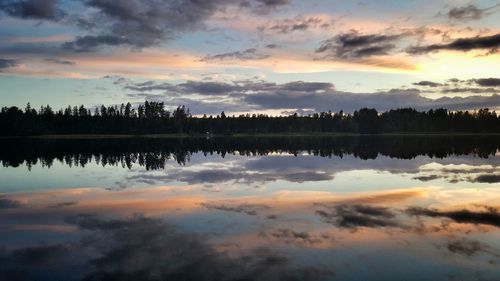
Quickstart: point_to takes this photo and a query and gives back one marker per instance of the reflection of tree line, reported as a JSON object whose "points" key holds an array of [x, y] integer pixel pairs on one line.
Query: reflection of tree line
{"points": [[153, 153]]}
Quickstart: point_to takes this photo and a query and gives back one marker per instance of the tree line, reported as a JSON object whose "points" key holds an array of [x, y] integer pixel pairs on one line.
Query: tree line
{"points": [[152, 118]]}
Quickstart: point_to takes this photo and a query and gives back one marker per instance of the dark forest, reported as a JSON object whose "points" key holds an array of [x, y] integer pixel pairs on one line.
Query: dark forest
{"points": [[153, 118]]}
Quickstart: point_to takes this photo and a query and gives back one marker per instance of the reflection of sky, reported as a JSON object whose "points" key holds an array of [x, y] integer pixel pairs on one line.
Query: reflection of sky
{"points": [[274, 217], [272, 172]]}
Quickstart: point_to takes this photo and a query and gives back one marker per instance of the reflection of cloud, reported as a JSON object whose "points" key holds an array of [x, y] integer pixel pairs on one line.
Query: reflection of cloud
{"points": [[40, 254], [465, 246], [6, 203], [141, 248], [354, 216], [489, 216], [290, 236], [7, 63], [249, 209], [63, 204]]}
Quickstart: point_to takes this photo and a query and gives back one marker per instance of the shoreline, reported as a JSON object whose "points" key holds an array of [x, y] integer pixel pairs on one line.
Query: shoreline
{"points": [[123, 136]]}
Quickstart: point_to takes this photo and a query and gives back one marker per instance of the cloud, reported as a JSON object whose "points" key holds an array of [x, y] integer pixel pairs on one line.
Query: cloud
{"points": [[470, 90], [427, 178], [7, 63], [428, 84], [486, 85], [489, 43], [274, 3], [248, 54], [143, 23], [487, 82], [187, 88], [488, 178], [140, 24], [382, 101], [469, 12], [298, 23], [262, 95], [32, 9], [354, 45], [489, 216], [353, 216]]}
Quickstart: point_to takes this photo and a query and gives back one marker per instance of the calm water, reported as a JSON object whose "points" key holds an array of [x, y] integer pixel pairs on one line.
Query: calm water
{"points": [[344, 208]]}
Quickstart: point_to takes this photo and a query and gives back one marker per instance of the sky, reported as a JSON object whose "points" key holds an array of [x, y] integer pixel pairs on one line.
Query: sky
{"points": [[269, 56]]}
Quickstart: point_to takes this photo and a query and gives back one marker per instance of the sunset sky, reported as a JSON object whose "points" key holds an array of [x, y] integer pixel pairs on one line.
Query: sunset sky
{"points": [[271, 56]]}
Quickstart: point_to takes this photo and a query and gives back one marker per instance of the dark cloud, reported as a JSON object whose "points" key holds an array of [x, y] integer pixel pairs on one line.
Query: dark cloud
{"points": [[248, 54], [138, 24], [149, 86], [488, 178], [274, 3], [256, 94], [295, 24], [470, 12], [354, 45], [301, 86], [487, 82], [427, 178], [382, 101], [489, 43], [489, 216], [428, 84], [272, 46], [470, 90], [90, 42], [354, 216], [143, 23], [32, 9], [7, 63], [208, 88], [187, 88], [6, 203]]}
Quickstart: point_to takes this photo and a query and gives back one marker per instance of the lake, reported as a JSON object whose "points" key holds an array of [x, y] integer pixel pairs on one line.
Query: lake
{"points": [[250, 208]]}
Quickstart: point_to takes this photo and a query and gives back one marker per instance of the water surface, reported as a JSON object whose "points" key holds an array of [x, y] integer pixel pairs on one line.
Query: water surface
{"points": [[337, 208]]}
